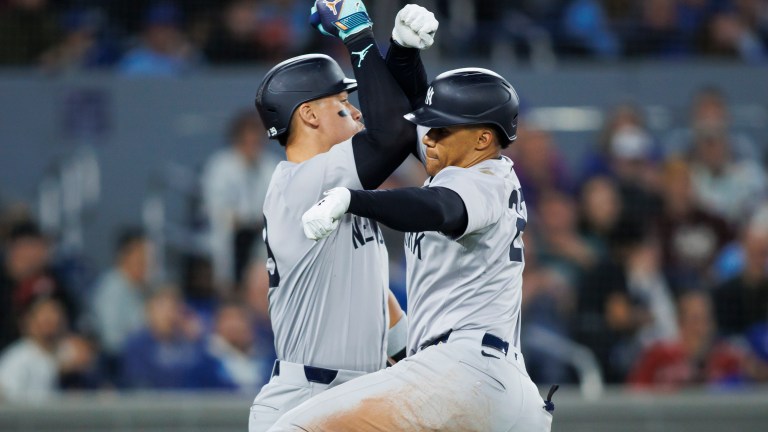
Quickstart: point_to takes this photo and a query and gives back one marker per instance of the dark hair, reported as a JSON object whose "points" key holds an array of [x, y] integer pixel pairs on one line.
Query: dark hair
{"points": [[283, 139], [25, 229], [241, 122], [501, 137], [127, 238]]}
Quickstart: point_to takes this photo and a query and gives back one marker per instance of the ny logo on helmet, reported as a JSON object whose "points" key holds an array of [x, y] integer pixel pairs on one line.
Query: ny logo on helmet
{"points": [[332, 5], [430, 93], [272, 132]]}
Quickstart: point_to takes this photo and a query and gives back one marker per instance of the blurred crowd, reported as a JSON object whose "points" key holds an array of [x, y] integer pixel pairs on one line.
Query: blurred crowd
{"points": [[654, 255], [205, 327], [162, 37]]}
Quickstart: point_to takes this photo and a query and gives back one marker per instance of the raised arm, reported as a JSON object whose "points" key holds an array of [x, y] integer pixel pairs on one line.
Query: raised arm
{"points": [[414, 31], [388, 138]]}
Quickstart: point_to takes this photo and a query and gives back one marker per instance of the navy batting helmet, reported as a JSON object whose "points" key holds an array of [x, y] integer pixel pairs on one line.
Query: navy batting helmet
{"points": [[470, 96], [295, 81]]}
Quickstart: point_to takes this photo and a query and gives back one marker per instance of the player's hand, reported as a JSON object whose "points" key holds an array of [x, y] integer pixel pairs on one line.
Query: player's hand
{"points": [[320, 220], [339, 18], [415, 27]]}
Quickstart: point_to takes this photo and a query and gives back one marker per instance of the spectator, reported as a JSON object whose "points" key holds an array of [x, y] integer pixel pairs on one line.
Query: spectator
{"points": [[163, 50], [737, 34], [234, 36], [459, 21], [168, 353], [757, 365], [754, 15], [730, 261], [232, 344], [588, 29], [118, 299], [127, 15], [27, 29], [709, 111], [547, 307], [636, 172], [83, 44], [31, 368], [600, 211], [658, 31], [725, 186], [743, 301], [624, 303], [627, 155], [692, 16], [250, 30], [690, 236], [559, 245], [598, 159], [696, 357], [199, 291], [26, 276], [235, 181], [538, 163], [283, 28], [256, 300]]}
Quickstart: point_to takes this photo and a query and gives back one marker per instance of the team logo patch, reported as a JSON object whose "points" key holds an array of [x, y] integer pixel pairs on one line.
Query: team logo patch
{"points": [[332, 5], [272, 132], [430, 93]]}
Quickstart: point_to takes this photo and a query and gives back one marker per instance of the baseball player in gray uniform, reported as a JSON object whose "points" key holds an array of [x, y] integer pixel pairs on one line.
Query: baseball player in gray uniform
{"points": [[464, 253], [332, 314]]}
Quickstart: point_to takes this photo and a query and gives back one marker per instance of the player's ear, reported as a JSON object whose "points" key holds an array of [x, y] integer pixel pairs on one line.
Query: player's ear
{"points": [[308, 115], [485, 139]]}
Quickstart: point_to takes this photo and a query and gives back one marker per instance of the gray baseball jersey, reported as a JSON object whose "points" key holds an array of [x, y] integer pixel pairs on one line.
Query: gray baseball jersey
{"points": [[327, 299], [473, 282]]}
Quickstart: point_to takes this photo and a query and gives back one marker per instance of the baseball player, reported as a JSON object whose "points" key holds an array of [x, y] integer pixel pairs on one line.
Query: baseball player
{"points": [[464, 254], [328, 300]]}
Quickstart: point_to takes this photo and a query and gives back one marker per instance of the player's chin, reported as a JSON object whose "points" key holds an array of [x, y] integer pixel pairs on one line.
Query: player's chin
{"points": [[432, 166]]}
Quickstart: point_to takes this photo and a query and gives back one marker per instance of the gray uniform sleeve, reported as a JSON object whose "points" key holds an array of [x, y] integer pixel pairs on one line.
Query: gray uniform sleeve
{"points": [[483, 195]]}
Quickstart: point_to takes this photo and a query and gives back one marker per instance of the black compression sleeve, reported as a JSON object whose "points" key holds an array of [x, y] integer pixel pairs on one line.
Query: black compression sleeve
{"points": [[406, 67], [413, 209], [388, 137]]}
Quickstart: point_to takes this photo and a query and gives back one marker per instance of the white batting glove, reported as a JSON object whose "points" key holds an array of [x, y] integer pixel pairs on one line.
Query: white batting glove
{"points": [[320, 220], [415, 27]]}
